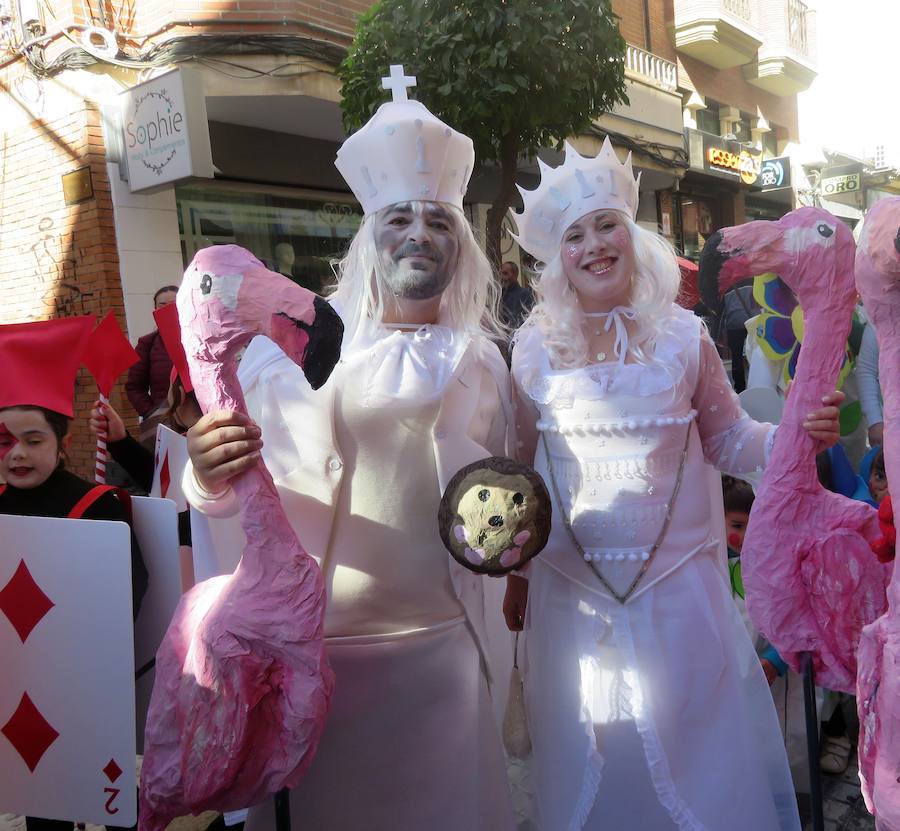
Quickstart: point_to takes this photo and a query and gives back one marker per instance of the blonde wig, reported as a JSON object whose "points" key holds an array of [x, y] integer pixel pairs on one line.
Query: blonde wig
{"points": [[654, 286]]}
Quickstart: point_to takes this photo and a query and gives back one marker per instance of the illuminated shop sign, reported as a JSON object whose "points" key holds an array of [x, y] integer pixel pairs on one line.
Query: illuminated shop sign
{"points": [[739, 164], [775, 173]]}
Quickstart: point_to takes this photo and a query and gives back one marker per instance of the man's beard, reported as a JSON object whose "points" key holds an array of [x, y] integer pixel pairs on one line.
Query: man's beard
{"points": [[408, 283]]}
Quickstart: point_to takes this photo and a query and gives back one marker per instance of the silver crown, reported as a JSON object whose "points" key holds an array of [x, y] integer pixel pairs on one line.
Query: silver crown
{"points": [[579, 186]]}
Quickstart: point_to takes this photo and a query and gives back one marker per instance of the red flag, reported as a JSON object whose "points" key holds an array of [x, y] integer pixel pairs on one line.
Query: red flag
{"points": [[40, 360], [170, 331], [108, 354]]}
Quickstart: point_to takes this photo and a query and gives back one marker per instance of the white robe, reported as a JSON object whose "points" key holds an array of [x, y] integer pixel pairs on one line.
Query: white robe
{"points": [[412, 738]]}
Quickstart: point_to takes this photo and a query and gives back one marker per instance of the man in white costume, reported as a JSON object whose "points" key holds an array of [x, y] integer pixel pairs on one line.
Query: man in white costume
{"points": [[420, 391]]}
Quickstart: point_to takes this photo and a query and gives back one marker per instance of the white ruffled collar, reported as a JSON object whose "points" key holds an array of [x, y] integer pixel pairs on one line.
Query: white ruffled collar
{"points": [[560, 387], [397, 364]]}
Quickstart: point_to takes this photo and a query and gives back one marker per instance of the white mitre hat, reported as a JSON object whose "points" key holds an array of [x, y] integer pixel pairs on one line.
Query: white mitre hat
{"points": [[579, 186], [405, 153]]}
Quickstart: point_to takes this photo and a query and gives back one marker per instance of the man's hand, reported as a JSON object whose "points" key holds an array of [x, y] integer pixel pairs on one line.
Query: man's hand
{"points": [[105, 419], [823, 424], [221, 445], [876, 434], [514, 602]]}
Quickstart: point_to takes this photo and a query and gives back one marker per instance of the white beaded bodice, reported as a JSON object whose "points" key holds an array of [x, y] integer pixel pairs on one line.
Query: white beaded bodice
{"points": [[615, 436]]}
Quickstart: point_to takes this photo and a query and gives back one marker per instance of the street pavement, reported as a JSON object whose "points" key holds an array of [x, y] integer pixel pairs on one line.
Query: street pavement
{"points": [[844, 809]]}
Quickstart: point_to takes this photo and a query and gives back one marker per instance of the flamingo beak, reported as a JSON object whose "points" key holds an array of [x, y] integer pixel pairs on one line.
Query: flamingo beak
{"points": [[735, 254], [324, 347], [312, 341]]}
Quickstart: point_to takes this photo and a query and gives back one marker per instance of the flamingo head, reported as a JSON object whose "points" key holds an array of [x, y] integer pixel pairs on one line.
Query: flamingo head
{"points": [[878, 256], [228, 297], [809, 249]]}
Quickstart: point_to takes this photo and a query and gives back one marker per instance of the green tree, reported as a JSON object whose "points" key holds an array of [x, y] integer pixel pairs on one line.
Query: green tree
{"points": [[515, 75]]}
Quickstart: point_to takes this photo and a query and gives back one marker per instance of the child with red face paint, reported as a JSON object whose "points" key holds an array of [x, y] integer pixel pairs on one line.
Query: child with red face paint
{"points": [[35, 413]]}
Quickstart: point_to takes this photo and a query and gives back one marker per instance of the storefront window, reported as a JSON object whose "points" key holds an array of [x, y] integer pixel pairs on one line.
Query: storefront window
{"points": [[698, 218], [297, 234]]}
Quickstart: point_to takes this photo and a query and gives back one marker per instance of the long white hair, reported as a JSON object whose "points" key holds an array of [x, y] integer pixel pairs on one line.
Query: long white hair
{"points": [[469, 304], [654, 286]]}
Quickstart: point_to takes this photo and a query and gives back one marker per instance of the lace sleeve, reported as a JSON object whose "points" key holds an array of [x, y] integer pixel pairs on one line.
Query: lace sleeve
{"points": [[732, 441]]}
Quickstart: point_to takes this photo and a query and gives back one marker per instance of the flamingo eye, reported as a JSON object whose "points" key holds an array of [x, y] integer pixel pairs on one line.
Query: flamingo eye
{"points": [[824, 229], [206, 284]]}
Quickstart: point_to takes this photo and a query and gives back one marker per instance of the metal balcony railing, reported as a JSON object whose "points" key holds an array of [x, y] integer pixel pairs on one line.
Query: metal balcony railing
{"points": [[797, 32], [657, 70], [739, 8]]}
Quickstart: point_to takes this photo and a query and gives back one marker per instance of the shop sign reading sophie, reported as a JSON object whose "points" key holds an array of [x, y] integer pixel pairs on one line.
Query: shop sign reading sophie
{"points": [[165, 132]]}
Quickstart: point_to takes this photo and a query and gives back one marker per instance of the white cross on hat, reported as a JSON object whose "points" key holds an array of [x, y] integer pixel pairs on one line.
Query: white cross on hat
{"points": [[398, 83]]}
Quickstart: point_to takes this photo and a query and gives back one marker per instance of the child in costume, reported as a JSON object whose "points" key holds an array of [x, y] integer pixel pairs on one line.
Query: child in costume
{"points": [[35, 413], [786, 686], [647, 705]]}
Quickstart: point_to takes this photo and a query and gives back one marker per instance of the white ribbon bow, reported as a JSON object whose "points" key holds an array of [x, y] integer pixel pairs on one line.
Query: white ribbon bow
{"points": [[617, 316]]}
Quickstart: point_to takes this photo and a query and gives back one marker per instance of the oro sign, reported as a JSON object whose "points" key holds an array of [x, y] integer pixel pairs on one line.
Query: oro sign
{"points": [[165, 132]]}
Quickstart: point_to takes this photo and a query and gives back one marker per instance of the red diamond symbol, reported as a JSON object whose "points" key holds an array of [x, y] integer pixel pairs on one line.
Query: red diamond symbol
{"points": [[165, 477], [29, 732], [23, 602], [112, 770]]}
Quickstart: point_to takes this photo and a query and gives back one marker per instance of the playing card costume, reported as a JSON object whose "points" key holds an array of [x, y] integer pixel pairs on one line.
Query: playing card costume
{"points": [[40, 361], [360, 466], [647, 705]]}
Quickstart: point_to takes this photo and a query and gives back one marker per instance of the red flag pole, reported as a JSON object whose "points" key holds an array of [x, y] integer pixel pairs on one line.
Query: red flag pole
{"points": [[102, 455]]}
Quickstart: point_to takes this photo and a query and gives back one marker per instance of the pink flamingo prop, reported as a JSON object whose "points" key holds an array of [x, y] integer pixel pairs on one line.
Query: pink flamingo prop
{"points": [[811, 579], [878, 682], [243, 685]]}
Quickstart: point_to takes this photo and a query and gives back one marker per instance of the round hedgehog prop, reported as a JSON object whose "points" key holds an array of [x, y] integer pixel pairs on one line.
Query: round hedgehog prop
{"points": [[495, 515]]}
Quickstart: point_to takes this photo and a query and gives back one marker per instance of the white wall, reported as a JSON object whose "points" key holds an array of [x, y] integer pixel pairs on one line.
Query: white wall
{"points": [[149, 248]]}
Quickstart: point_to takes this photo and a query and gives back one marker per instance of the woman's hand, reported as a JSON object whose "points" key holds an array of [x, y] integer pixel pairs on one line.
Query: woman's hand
{"points": [[104, 418], [221, 445], [514, 602], [823, 424]]}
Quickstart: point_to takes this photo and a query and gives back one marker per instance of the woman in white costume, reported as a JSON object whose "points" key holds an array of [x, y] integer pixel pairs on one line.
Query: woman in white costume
{"points": [[411, 740], [647, 705]]}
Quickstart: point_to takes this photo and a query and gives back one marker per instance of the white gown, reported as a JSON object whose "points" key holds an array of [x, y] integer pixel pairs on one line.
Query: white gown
{"points": [[654, 713], [411, 740]]}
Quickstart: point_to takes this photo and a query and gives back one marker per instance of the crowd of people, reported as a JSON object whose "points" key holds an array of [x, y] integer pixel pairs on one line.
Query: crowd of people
{"points": [[647, 687]]}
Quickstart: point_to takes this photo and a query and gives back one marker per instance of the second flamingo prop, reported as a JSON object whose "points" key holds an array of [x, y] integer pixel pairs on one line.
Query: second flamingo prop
{"points": [[811, 579]]}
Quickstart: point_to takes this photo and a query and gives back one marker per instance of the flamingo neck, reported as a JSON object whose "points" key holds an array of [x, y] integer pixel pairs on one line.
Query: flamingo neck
{"points": [[817, 370], [888, 362], [218, 388]]}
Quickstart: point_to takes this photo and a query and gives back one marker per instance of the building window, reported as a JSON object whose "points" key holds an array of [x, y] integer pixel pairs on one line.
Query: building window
{"points": [[297, 233], [742, 129], [708, 119]]}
